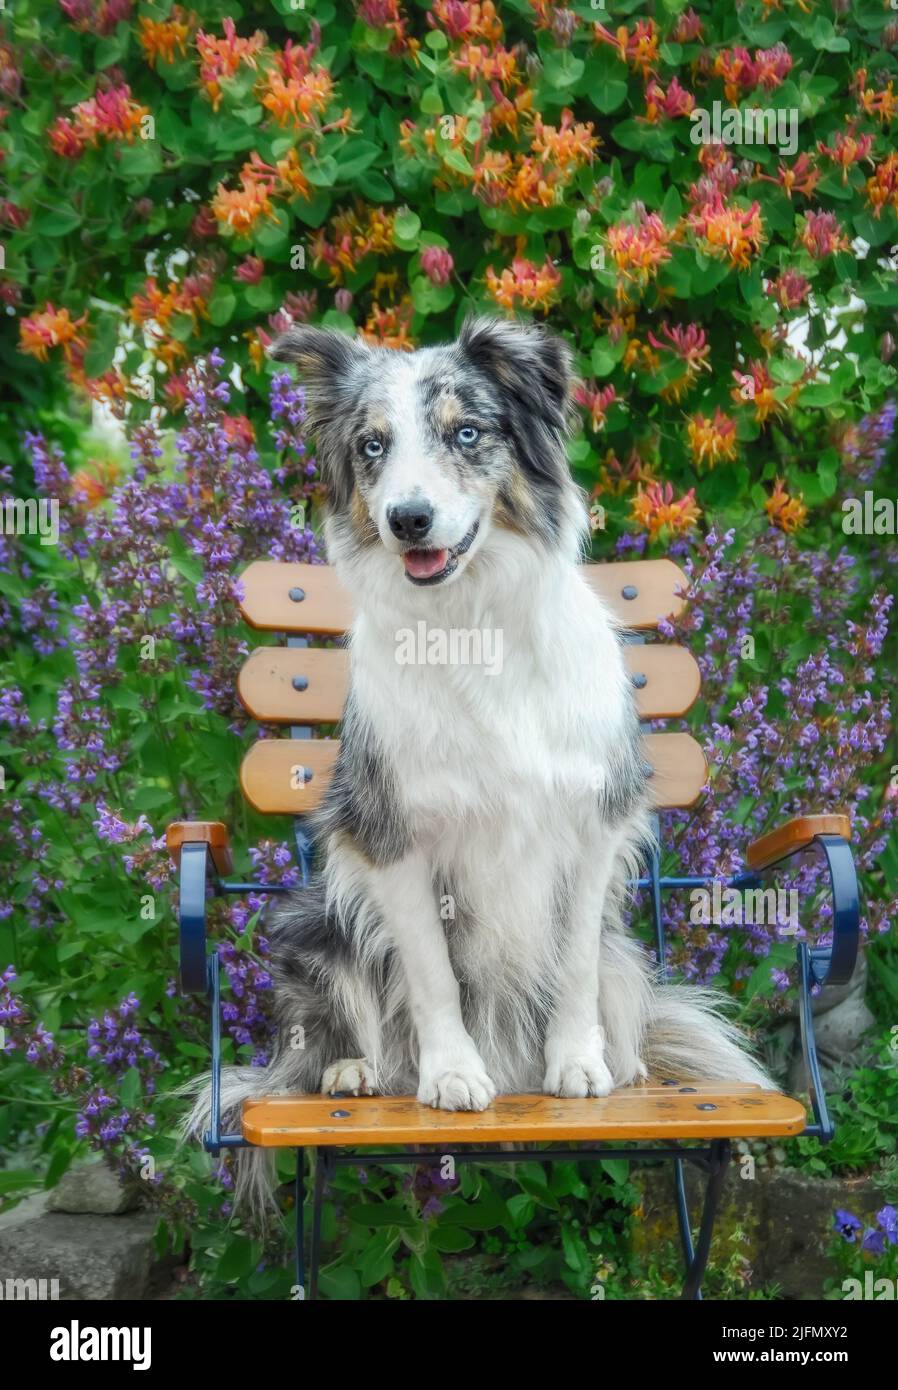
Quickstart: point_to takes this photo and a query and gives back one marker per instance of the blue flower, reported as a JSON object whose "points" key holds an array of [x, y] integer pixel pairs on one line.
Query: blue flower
{"points": [[847, 1224]]}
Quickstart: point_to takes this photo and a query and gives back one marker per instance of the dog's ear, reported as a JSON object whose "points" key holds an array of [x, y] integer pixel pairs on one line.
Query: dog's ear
{"points": [[324, 358], [328, 364], [532, 369], [528, 362]]}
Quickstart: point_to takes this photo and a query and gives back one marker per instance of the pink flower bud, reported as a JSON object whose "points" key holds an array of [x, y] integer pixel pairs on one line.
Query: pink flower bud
{"points": [[437, 264]]}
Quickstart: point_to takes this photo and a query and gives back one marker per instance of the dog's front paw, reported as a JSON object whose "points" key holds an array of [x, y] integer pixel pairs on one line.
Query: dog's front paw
{"points": [[354, 1075], [578, 1076], [462, 1087]]}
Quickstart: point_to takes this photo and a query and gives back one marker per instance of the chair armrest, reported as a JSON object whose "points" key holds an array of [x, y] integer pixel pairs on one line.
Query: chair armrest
{"points": [[793, 837], [829, 836], [209, 832], [196, 848]]}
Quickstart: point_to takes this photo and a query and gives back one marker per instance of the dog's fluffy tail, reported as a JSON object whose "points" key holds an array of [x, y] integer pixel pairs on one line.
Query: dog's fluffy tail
{"points": [[679, 1032], [689, 1038], [254, 1167]]}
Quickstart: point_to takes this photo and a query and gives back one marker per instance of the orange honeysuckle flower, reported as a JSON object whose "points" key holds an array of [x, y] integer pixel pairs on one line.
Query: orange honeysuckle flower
{"points": [[65, 140], [524, 285], [639, 249], [162, 38], [221, 58], [822, 235], [882, 186], [506, 113], [802, 176], [240, 208], [617, 478], [462, 20], [712, 440], [655, 509], [883, 103], [787, 513], [387, 14], [688, 28], [493, 175], [789, 289], [847, 149], [391, 327], [51, 328], [756, 386], [735, 67], [290, 175], [738, 232], [297, 99], [483, 64], [570, 144], [350, 236], [596, 400], [90, 488], [688, 343], [110, 114], [676, 101], [638, 49], [530, 186]]}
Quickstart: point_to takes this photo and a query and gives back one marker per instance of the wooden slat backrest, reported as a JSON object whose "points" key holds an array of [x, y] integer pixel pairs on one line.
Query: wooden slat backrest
{"points": [[288, 776], [306, 686], [280, 597]]}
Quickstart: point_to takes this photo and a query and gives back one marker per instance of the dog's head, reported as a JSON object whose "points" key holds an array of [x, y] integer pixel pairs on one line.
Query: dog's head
{"points": [[426, 452]]}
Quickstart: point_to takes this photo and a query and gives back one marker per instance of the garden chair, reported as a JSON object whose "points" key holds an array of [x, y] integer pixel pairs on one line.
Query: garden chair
{"points": [[302, 687]]}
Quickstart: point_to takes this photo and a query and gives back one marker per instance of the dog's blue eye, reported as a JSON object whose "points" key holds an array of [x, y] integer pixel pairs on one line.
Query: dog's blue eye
{"points": [[468, 435], [373, 448]]}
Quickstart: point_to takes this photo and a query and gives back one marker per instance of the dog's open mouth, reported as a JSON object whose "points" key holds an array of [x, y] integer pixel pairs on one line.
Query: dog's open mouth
{"points": [[433, 566]]}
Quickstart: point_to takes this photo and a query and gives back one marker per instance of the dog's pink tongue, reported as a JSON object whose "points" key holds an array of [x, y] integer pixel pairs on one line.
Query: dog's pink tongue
{"points": [[424, 564]]}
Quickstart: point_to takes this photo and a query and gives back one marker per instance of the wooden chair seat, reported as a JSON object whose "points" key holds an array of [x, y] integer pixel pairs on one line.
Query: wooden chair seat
{"points": [[678, 1111]]}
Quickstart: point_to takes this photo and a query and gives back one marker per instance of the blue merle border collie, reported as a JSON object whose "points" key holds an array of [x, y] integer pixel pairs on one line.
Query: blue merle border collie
{"points": [[462, 936]]}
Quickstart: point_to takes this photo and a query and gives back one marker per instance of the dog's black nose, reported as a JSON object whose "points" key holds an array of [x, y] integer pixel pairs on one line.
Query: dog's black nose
{"points": [[411, 521]]}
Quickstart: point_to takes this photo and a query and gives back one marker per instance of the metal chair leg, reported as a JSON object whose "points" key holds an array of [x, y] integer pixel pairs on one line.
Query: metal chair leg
{"points": [[298, 1205], [717, 1167], [323, 1168]]}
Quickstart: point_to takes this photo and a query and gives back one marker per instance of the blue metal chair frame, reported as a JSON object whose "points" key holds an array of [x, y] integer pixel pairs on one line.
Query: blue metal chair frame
{"points": [[833, 964]]}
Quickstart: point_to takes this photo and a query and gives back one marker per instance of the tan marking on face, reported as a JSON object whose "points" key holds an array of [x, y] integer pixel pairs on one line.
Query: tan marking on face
{"points": [[514, 514], [449, 412], [361, 520]]}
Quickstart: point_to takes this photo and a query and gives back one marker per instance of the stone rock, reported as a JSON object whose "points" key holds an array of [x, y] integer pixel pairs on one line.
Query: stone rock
{"points": [[841, 1024], [92, 1257], [781, 1220], [92, 1189]]}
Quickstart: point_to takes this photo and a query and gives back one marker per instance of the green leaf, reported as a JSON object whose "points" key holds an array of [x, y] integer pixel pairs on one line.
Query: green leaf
{"points": [[407, 225], [377, 1214], [561, 69], [429, 298], [17, 1179], [221, 305], [458, 161], [130, 1087], [431, 101], [341, 1284], [57, 223], [323, 173]]}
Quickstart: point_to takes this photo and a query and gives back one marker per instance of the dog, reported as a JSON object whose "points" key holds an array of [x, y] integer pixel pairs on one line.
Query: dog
{"points": [[463, 936]]}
